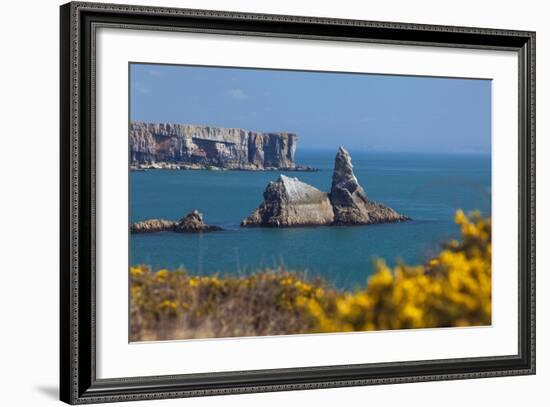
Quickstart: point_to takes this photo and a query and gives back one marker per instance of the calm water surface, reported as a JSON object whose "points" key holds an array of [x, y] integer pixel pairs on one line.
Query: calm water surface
{"points": [[428, 188]]}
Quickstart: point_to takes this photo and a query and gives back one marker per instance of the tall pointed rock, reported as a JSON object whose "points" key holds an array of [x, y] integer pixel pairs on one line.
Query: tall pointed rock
{"points": [[349, 200]]}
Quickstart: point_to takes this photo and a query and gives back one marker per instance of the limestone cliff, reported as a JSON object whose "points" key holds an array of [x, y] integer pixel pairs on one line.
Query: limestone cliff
{"points": [[210, 146]]}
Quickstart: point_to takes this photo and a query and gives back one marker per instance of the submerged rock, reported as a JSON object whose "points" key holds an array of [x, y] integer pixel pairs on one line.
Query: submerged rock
{"points": [[349, 200], [191, 223], [291, 202]]}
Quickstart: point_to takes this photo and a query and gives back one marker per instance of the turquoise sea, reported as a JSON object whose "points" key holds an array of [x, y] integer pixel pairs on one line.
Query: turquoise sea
{"points": [[426, 187]]}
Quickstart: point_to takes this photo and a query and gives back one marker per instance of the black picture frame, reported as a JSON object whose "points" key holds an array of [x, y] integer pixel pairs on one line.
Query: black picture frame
{"points": [[78, 382]]}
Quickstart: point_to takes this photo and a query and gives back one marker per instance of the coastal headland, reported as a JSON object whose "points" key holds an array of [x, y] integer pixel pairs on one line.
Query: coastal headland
{"points": [[194, 147]]}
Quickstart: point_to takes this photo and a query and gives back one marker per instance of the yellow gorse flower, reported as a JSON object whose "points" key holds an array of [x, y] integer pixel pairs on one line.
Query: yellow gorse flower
{"points": [[161, 275], [451, 289], [136, 271]]}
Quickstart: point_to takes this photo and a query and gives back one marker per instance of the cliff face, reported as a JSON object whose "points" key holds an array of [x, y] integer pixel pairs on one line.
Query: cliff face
{"points": [[217, 146]]}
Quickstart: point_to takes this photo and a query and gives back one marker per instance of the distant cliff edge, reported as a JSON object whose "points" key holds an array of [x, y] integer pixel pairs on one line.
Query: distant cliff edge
{"points": [[185, 146]]}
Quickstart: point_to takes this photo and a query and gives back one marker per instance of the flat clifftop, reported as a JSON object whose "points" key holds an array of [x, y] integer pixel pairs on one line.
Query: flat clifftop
{"points": [[208, 146]]}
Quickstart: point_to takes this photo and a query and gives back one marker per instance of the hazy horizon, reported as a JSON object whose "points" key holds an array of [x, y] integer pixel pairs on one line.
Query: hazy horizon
{"points": [[363, 112]]}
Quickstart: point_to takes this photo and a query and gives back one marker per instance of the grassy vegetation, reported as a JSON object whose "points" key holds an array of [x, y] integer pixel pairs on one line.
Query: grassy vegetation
{"points": [[451, 289]]}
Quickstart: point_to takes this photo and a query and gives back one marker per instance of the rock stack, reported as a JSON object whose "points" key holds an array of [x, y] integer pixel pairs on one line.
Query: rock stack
{"points": [[349, 200], [290, 202]]}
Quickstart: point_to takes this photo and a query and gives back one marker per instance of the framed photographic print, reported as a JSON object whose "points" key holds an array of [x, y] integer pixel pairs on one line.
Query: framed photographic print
{"points": [[257, 203]]}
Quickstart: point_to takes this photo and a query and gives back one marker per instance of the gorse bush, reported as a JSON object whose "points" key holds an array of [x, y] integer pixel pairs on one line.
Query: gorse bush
{"points": [[172, 304], [451, 289]]}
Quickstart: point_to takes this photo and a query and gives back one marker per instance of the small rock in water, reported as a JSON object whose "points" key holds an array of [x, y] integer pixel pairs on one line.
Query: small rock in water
{"points": [[191, 223], [152, 226]]}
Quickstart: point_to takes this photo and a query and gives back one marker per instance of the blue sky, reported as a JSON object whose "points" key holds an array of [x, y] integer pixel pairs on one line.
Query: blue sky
{"points": [[359, 111]]}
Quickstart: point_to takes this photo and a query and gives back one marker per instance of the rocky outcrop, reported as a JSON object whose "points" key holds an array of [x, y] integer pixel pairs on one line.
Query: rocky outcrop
{"points": [[191, 223], [168, 144], [290, 202], [349, 200], [194, 222], [152, 226]]}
